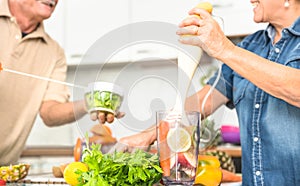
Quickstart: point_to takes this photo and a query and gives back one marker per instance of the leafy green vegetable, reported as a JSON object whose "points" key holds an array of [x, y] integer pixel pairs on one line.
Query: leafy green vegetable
{"points": [[103, 99], [138, 168]]}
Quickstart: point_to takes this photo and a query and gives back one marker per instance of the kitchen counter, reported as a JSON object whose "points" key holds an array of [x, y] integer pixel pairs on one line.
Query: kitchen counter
{"points": [[39, 179], [232, 150], [31, 151], [43, 158]]}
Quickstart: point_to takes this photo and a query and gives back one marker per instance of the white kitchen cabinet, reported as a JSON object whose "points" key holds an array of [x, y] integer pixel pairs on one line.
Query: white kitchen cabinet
{"points": [[170, 11], [89, 20], [237, 15], [163, 11], [78, 24]]}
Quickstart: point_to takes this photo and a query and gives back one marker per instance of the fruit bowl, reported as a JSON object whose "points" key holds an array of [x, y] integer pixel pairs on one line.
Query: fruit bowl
{"points": [[230, 134], [103, 96]]}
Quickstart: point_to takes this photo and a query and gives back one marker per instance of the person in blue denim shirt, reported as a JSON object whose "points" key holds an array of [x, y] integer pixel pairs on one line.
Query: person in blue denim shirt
{"points": [[261, 79]]}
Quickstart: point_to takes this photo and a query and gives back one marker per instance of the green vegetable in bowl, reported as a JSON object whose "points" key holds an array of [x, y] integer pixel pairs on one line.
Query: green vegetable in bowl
{"points": [[103, 100], [138, 168]]}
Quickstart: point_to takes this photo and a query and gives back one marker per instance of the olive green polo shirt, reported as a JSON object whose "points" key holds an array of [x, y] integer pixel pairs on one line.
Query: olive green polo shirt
{"points": [[21, 96]]}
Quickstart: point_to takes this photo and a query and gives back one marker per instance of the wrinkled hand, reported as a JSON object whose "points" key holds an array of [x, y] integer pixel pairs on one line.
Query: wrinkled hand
{"points": [[140, 140], [104, 140], [105, 116], [101, 135], [204, 32]]}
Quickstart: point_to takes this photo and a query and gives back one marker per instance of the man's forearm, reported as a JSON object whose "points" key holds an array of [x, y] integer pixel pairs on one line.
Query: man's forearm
{"points": [[55, 114]]}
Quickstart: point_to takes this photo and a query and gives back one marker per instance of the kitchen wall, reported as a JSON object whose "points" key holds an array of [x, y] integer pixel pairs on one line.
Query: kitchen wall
{"points": [[148, 72]]}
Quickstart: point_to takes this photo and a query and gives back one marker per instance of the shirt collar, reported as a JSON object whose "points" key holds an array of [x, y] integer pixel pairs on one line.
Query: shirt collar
{"points": [[4, 10], [38, 33], [294, 29]]}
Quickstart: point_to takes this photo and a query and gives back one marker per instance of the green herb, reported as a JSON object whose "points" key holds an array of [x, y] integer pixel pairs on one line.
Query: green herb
{"points": [[103, 99], [138, 168]]}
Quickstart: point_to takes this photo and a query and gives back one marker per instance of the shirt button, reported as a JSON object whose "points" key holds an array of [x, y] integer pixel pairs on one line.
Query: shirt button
{"points": [[12, 19], [17, 37], [257, 105], [257, 173], [255, 139], [277, 50]]}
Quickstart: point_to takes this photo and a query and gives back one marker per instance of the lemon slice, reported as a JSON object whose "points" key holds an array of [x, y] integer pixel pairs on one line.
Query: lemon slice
{"points": [[179, 139]]}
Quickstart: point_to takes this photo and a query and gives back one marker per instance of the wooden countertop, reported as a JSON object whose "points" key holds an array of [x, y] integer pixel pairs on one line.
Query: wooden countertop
{"points": [[234, 151], [30, 151], [47, 151]]}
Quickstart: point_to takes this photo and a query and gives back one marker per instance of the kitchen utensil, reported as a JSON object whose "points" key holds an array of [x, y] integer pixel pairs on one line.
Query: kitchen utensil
{"points": [[39, 77], [187, 65]]}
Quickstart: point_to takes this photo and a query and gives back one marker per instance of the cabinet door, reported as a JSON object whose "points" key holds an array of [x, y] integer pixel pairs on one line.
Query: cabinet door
{"points": [[89, 20], [237, 15], [168, 11], [171, 11]]}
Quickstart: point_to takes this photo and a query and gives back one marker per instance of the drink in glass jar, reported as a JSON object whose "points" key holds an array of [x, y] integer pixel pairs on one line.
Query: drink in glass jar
{"points": [[178, 146]]}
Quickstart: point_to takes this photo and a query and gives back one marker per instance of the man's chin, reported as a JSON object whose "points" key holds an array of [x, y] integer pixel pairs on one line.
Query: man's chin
{"points": [[50, 3]]}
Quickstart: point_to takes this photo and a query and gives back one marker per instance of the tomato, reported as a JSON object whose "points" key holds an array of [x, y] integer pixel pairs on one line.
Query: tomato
{"points": [[2, 182]]}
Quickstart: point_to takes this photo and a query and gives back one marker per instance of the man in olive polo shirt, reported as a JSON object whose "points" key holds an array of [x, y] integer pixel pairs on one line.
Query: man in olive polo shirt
{"points": [[26, 47]]}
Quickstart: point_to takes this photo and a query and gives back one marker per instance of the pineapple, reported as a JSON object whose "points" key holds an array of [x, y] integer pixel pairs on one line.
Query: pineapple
{"points": [[210, 137], [14, 173], [225, 160], [208, 147]]}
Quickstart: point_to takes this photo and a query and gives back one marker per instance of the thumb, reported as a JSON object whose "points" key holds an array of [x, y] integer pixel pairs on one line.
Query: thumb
{"points": [[120, 115]]}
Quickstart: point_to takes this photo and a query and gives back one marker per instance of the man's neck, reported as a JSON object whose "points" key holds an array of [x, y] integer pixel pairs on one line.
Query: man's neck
{"points": [[26, 23]]}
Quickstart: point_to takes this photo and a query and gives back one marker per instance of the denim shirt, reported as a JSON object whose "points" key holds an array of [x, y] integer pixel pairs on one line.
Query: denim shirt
{"points": [[269, 126]]}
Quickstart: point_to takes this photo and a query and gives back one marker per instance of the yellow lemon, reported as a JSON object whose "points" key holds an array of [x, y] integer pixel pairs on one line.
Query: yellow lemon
{"points": [[203, 5], [179, 139], [70, 175], [206, 6]]}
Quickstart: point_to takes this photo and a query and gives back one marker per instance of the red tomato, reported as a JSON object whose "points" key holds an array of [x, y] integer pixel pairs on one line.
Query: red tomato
{"points": [[2, 182]]}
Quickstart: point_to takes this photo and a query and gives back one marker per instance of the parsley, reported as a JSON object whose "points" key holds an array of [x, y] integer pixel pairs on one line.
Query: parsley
{"points": [[120, 168]]}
